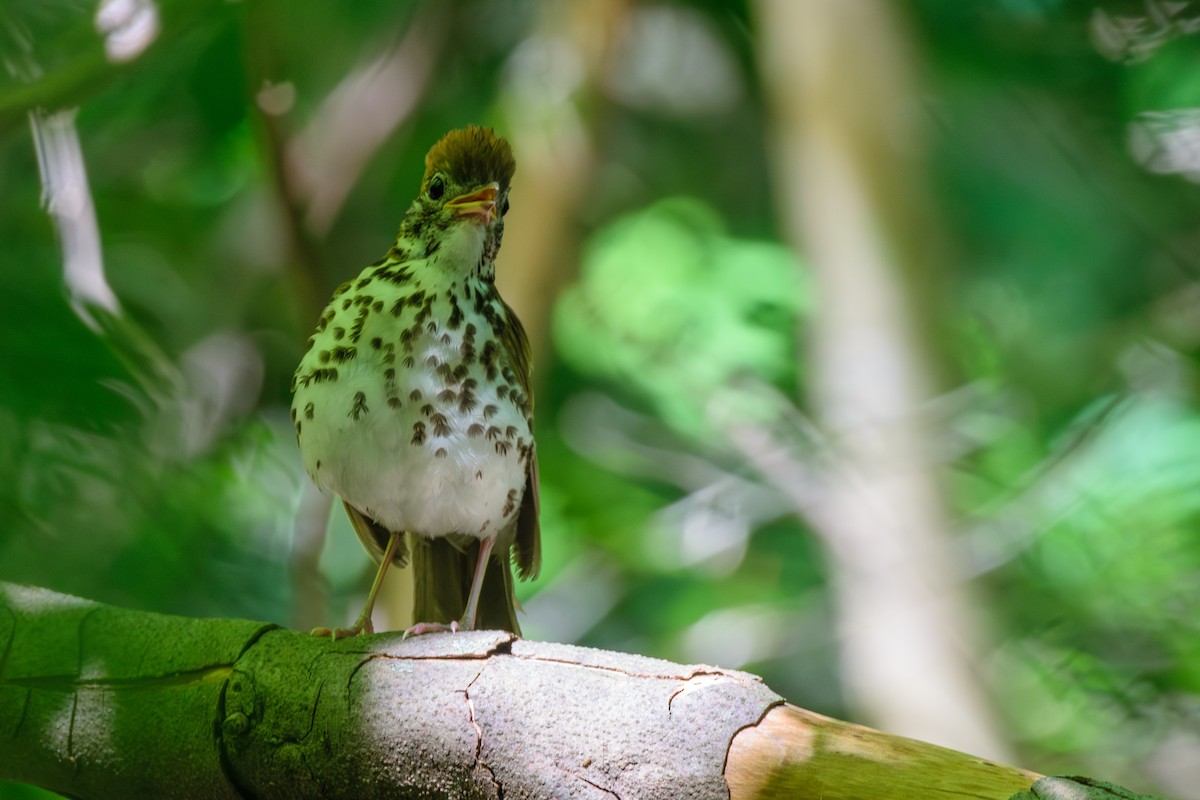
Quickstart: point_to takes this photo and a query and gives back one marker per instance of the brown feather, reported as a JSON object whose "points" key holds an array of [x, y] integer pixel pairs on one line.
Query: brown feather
{"points": [[529, 538], [374, 537], [471, 156]]}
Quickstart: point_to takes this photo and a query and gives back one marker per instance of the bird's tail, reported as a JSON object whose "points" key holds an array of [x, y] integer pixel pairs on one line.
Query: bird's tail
{"points": [[442, 574]]}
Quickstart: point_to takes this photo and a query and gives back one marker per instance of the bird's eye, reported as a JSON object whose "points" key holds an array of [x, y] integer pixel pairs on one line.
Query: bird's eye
{"points": [[437, 187]]}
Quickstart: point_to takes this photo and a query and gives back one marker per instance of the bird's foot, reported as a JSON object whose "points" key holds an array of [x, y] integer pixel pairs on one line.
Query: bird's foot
{"points": [[431, 627], [359, 627]]}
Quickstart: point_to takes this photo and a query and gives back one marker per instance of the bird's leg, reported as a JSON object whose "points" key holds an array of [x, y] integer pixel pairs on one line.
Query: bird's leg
{"points": [[363, 623], [467, 623]]}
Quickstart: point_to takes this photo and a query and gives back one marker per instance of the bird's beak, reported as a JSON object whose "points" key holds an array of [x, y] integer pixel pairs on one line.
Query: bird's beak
{"points": [[480, 203]]}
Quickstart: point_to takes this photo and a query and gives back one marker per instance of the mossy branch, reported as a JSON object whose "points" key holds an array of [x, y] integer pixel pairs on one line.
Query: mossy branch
{"points": [[98, 702]]}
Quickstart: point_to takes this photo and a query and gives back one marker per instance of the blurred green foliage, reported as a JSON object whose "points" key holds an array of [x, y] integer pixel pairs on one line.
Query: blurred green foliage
{"points": [[151, 464]]}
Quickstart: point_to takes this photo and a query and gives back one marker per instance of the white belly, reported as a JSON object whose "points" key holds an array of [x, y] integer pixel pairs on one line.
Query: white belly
{"points": [[414, 454]]}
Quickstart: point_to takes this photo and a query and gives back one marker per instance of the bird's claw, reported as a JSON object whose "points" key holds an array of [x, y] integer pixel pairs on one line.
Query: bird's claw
{"points": [[357, 629], [431, 627]]}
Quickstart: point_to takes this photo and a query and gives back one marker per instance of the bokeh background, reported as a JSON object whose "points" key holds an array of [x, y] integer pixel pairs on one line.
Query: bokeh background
{"points": [[866, 333]]}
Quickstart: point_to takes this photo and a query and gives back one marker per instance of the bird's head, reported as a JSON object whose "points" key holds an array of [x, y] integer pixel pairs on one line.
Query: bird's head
{"points": [[459, 214]]}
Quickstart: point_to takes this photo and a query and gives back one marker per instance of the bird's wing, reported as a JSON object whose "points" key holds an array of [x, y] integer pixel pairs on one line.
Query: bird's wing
{"points": [[374, 536], [529, 537]]}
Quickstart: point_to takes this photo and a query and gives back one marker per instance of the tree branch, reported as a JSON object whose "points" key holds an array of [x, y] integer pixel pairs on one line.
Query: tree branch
{"points": [[97, 701]]}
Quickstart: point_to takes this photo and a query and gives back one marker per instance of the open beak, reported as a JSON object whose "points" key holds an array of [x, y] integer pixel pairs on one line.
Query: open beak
{"points": [[480, 204]]}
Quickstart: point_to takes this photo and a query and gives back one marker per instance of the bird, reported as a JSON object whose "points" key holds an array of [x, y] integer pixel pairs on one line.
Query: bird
{"points": [[413, 401]]}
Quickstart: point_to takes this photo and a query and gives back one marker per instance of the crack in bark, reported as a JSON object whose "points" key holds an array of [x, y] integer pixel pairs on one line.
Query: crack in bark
{"points": [[24, 713], [595, 785], [500, 648], [70, 683], [479, 762], [699, 672], [732, 738]]}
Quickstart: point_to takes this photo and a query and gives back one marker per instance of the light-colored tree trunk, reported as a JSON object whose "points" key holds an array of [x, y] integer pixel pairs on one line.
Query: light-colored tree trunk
{"points": [[847, 147]]}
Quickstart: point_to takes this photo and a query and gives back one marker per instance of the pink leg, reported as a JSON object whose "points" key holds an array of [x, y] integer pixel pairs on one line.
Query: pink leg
{"points": [[467, 623], [485, 550]]}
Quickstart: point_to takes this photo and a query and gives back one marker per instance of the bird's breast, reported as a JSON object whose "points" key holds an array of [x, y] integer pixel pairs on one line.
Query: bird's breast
{"points": [[408, 406]]}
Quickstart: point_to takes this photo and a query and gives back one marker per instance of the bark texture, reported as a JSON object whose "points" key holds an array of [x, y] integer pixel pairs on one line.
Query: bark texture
{"points": [[100, 702]]}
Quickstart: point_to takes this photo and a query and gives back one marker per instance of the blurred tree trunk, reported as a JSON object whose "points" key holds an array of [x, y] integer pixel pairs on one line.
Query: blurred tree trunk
{"points": [[552, 77], [101, 702], [847, 147]]}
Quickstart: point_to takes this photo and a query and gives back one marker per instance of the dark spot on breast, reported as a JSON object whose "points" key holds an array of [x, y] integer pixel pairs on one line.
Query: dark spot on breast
{"points": [[414, 395], [293, 413], [489, 411], [440, 452], [432, 360], [510, 503], [510, 431], [460, 372], [361, 282], [441, 425], [308, 411], [431, 326], [418, 436], [357, 328], [409, 362], [398, 307], [475, 430], [393, 401], [445, 338], [432, 247], [456, 315], [427, 409], [376, 342], [343, 354], [359, 407], [502, 447], [466, 400], [389, 374], [346, 304], [319, 376], [493, 433], [323, 356], [339, 333], [377, 306], [341, 290], [502, 391], [446, 396]]}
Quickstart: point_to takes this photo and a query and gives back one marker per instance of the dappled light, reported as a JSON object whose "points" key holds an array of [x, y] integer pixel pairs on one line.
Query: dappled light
{"points": [[865, 338]]}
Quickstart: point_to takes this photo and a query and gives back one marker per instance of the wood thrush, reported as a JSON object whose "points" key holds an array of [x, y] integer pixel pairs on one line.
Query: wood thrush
{"points": [[413, 402]]}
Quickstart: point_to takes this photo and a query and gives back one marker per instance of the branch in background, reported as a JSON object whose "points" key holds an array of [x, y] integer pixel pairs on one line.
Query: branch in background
{"points": [[358, 117]]}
